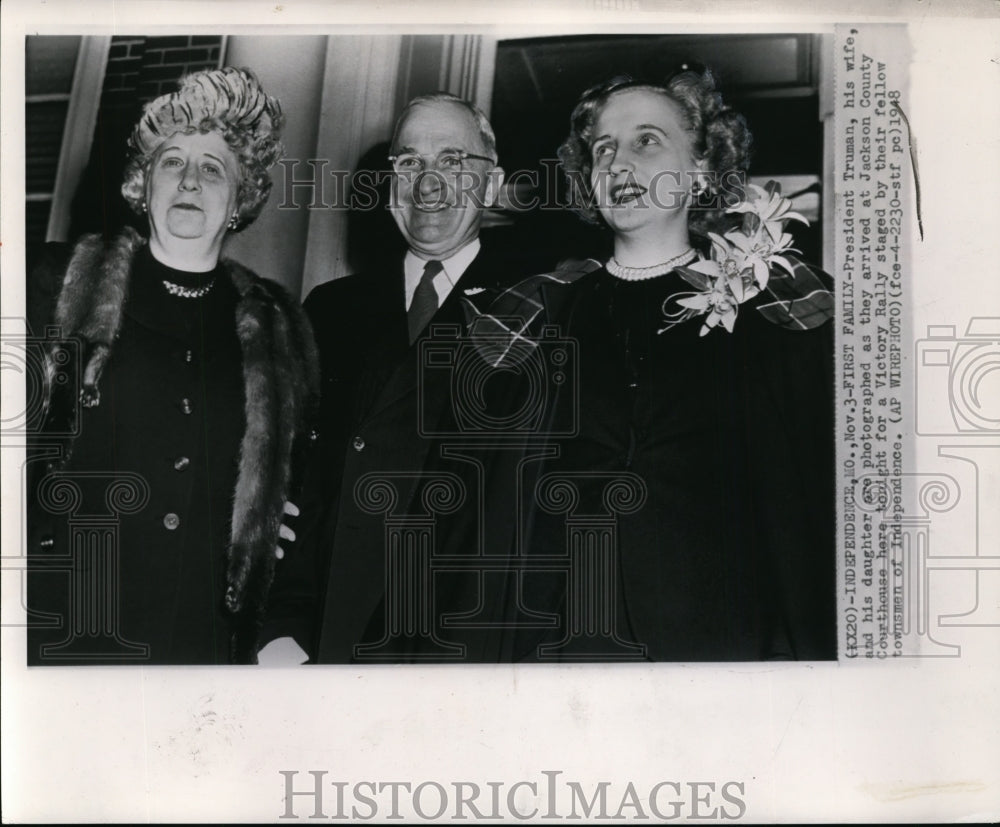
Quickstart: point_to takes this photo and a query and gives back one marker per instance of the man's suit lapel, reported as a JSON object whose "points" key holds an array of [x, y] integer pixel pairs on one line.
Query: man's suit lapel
{"points": [[390, 374], [403, 375], [386, 342]]}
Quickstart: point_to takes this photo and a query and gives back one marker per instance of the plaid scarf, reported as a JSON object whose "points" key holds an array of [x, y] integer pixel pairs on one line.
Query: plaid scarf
{"points": [[513, 321], [509, 329]]}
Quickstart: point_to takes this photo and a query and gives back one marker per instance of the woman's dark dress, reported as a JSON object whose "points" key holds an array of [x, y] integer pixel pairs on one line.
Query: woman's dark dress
{"points": [[732, 555], [171, 410]]}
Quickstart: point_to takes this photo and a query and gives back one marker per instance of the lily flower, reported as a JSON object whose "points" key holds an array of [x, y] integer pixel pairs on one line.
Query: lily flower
{"points": [[771, 208], [740, 262]]}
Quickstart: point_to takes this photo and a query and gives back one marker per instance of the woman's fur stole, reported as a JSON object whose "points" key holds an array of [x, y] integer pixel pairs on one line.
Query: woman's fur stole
{"points": [[281, 384]]}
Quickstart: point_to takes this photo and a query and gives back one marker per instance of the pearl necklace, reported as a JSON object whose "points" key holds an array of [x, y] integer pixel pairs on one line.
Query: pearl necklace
{"points": [[188, 292], [641, 273]]}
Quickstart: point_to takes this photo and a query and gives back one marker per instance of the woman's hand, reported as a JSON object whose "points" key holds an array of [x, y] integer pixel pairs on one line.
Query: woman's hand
{"points": [[286, 533]]}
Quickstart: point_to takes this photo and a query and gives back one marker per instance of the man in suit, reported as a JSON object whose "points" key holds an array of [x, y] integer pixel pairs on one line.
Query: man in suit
{"points": [[377, 466]]}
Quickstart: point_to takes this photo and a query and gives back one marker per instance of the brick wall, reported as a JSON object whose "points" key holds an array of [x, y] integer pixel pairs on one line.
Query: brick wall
{"points": [[139, 70], [144, 68]]}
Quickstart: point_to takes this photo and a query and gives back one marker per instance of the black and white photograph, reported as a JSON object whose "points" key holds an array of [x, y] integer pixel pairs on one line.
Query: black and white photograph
{"points": [[632, 477], [467, 417]]}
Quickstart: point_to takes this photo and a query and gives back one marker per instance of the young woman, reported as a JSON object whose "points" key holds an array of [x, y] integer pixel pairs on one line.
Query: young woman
{"points": [[705, 401]]}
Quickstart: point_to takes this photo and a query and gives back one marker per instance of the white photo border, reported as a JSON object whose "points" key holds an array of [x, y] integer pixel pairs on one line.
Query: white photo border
{"points": [[911, 739]]}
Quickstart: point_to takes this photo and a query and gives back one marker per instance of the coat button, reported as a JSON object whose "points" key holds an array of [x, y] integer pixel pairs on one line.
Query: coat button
{"points": [[181, 463], [47, 542], [171, 521], [358, 443], [188, 356], [313, 435], [186, 406]]}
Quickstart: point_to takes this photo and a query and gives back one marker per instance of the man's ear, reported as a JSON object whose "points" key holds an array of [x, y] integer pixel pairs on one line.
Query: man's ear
{"points": [[494, 182]]}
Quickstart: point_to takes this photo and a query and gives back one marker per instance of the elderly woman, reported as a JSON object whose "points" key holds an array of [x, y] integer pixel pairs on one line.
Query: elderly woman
{"points": [[695, 503], [176, 390]]}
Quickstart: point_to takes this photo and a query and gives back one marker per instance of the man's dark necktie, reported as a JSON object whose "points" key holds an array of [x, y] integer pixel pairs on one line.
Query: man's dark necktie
{"points": [[425, 300]]}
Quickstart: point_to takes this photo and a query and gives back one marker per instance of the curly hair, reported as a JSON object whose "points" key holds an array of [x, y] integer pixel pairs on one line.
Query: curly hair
{"points": [[228, 101], [719, 137], [483, 127]]}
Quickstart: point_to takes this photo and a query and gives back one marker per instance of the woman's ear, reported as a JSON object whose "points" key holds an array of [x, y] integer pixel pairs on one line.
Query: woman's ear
{"points": [[702, 173], [147, 175], [702, 181]]}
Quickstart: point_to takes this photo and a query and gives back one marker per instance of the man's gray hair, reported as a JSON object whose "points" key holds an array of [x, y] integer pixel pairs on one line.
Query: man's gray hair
{"points": [[482, 122]]}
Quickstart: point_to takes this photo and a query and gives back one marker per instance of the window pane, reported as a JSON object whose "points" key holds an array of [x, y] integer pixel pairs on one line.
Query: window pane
{"points": [[49, 64], [43, 129]]}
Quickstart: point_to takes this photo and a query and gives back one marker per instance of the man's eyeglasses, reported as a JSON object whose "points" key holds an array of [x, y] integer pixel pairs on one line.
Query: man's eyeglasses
{"points": [[448, 162]]}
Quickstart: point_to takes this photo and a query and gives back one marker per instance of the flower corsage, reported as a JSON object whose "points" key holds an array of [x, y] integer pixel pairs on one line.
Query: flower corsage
{"points": [[748, 261]]}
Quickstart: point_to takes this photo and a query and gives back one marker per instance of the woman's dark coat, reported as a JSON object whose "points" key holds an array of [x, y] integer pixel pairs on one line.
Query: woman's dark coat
{"points": [[259, 379]]}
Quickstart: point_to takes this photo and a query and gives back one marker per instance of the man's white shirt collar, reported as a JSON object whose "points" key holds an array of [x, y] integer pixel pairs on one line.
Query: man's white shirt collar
{"points": [[454, 267]]}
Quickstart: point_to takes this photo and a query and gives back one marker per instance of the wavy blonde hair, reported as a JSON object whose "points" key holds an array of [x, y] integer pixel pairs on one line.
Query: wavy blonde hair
{"points": [[719, 136]]}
